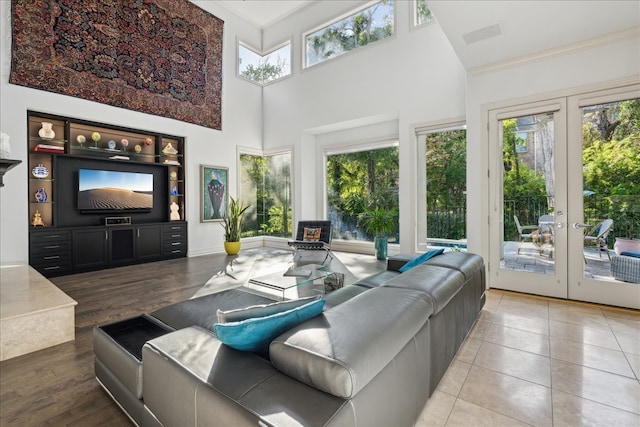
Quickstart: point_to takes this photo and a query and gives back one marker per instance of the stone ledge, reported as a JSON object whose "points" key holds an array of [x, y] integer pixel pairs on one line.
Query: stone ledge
{"points": [[34, 313]]}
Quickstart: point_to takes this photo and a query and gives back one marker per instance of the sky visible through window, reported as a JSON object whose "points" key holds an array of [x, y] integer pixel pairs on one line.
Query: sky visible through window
{"points": [[263, 69]]}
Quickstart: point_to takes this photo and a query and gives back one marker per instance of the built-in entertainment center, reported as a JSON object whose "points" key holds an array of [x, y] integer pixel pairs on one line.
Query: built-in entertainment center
{"points": [[102, 195]]}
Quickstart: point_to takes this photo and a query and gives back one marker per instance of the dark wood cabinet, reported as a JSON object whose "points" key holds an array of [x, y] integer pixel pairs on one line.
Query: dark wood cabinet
{"points": [[122, 245], [90, 248], [148, 242], [66, 237], [50, 252], [175, 239], [72, 250]]}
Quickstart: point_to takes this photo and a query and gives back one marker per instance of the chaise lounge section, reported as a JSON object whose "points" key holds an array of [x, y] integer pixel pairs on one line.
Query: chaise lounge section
{"points": [[372, 357]]}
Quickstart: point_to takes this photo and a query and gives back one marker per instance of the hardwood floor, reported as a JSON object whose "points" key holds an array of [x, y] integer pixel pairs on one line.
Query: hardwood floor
{"points": [[56, 386]]}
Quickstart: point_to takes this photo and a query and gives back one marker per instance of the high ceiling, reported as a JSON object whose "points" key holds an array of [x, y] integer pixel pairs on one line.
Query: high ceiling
{"points": [[263, 13], [523, 27]]}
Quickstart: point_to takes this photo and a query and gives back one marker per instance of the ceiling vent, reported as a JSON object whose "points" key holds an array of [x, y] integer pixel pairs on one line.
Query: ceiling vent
{"points": [[482, 34]]}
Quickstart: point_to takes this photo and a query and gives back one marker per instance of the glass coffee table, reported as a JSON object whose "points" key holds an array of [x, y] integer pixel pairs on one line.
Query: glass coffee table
{"points": [[298, 282]]}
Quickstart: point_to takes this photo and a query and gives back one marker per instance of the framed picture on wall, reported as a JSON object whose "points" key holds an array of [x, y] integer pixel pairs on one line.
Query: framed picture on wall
{"points": [[214, 193]]}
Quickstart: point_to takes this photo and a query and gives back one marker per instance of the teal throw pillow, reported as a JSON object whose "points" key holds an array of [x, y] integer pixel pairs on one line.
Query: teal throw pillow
{"points": [[420, 259], [262, 310], [256, 334]]}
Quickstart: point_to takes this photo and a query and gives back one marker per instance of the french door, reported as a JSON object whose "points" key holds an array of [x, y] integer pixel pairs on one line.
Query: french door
{"points": [[560, 194]]}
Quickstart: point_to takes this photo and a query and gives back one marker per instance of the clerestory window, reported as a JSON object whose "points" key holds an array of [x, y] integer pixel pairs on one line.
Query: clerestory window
{"points": [[421, 13], [264, 68], [368, 24]]}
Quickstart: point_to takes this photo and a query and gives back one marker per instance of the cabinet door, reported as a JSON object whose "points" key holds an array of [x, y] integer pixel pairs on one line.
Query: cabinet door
{"points": [[149, 242], [122, 245], [90, 248]]}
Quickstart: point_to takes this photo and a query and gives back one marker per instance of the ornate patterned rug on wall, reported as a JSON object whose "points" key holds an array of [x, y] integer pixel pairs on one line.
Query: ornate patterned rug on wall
{"points": [[162, 57]]}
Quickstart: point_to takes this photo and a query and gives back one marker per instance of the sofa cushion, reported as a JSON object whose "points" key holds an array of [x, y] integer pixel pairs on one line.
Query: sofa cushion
{"points": [[377, 279], [262, 310], [420, 259], [202, 311], [343, 294], [465, 262], [255, 334], [439, 284], [343, 349]]}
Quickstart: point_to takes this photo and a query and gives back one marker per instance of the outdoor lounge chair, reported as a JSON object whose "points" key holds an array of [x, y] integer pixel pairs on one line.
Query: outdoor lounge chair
{"points": [[598, 237], [524, 237], [313, 236]]}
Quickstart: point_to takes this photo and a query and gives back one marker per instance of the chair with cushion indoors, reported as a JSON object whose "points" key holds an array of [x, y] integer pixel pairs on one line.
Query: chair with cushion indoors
{"points": [[598, 237], [524, 237], [313, 236]]}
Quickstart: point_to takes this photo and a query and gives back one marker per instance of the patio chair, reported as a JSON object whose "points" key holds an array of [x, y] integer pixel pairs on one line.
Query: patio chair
{"points": [[312, 236], [524, 237], [597, 237]]}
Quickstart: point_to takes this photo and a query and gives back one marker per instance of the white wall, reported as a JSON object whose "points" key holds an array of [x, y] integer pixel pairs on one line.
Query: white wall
{"points": [[582, 69], [241, 125], [411, 78]]}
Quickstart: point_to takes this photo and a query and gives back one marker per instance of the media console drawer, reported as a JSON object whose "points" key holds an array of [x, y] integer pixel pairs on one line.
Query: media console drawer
{"points": [[49, 251], [175, 239]]}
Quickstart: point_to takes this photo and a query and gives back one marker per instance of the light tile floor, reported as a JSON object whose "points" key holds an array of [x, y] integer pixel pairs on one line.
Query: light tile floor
{"points": [[543, 362]]}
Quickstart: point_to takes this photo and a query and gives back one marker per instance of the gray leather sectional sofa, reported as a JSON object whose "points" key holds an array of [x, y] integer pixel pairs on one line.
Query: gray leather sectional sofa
{"points": [[372, 358]]}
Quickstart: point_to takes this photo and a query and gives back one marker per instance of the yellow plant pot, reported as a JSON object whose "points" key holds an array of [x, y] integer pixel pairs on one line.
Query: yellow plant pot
{"points": [[232, 248]]}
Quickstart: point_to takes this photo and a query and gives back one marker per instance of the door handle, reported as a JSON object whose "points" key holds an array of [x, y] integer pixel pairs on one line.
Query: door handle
{"points": [[578, 225]]}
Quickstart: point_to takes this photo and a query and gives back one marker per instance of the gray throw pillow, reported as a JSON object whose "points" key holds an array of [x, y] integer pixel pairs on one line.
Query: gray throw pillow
{"points": [[262, 310]]}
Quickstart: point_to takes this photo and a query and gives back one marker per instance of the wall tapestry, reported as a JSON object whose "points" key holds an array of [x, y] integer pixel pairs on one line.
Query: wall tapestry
{"points": [[162, 57]]}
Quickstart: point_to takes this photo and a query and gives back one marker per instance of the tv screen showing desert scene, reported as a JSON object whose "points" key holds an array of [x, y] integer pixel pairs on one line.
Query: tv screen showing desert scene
{"points": [[104, 190]]}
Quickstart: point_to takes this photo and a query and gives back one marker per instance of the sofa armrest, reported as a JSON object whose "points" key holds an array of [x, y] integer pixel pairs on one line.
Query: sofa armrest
{"points": [[394, 263]]}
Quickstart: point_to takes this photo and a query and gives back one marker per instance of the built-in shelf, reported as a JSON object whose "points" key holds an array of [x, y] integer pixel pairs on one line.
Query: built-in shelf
{"points": [[63, 238]]}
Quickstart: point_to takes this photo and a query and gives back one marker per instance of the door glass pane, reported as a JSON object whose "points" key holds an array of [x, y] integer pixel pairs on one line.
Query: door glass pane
{"points": [[611, 189], [528, 191]]}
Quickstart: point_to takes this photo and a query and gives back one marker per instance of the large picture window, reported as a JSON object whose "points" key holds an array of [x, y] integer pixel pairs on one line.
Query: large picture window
{"points": [[358, 183], [264, 68], [442, 203], [265, 183], [371, 23]]}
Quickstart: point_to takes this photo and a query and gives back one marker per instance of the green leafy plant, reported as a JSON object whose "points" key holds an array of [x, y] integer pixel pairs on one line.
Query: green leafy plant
{"points": [[378, 221], [232, 222]]}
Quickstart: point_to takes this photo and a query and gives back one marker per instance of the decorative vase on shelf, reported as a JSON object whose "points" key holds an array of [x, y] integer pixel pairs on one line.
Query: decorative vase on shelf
{"points": [[174, 212], [46, 131], [40, 171], [41, 195]]}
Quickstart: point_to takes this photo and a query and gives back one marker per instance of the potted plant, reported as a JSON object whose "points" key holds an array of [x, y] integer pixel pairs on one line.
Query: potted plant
{"points": [[232, 224], [380, 222]]}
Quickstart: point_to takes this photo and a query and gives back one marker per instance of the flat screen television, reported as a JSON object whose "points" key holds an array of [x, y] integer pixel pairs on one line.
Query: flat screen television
{"points": [[114, 191]]}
